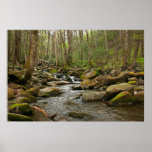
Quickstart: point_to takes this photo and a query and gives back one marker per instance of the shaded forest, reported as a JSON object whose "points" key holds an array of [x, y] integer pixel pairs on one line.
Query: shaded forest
{"points": [[42, 64]]}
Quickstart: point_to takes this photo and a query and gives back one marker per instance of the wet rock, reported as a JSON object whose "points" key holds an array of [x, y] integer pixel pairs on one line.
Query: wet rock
{"points": [[132, 82], [78, 115], [21, 108], [89, 75], [77, 87], [18, 117], [69, 79], [113, 90], [52, 79], [22, 100], [44, 82], [88, 84], [132, 79], [33, 91], [139, 96], [49, 91], [113, 73], [54, 83], [123, 98], [132, 74], [138, 88], [14, 76], [10, 93], [93, 96], [108, 80]]}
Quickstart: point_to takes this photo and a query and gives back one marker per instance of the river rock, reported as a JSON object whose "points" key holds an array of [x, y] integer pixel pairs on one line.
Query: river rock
{"points": [[113, 73], [18, 117], [123, 98], [77, 87], [21, 108], [113, 90], [22, 100], [11, 93], [132, 79], [88, 84], [33, 91], [139, 96], [93, 96], [49, 91], [78, 115], [54, 83], [90, 75], [52, 79]]}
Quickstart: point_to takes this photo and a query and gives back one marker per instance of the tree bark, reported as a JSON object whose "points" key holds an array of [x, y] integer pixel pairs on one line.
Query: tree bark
{"points": [[32, 56]]}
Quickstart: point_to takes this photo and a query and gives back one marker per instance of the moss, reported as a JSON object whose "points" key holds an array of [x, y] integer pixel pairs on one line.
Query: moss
{"points": [[78, 115], [122, 98], [33, 91], [132, 82], [10, 93], [46, 94], [21, 108], [18, 117]]}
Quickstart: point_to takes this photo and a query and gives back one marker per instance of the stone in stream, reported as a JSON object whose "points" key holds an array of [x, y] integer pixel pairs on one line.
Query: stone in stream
{"points": [[18, 117], [89, 75], [49, 91], [93, 96], [78, 115], [123, 98], [11, 93], [77, 87], [33, 91], [113, 90], [54, 83], [21, 108], [139, 96], [88, 84]]}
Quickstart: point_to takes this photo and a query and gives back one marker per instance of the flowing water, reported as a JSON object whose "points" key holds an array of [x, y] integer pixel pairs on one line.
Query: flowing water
{"points": [[71, 101]]}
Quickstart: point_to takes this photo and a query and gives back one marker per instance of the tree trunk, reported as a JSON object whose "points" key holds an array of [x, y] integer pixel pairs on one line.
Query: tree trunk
{"points": [[81, 41], [48, 47], [55, 48], [106, 43], [125, 50], [69, 56], [32, 56]]}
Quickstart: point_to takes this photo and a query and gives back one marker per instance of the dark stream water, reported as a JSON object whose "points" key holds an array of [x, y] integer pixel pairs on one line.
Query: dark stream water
{"points": [[69, 101]]}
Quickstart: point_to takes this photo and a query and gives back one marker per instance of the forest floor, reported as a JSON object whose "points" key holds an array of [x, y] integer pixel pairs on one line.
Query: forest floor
{"points": [[75, 94]]}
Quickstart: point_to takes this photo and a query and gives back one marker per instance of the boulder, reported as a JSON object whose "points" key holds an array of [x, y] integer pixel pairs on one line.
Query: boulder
{"points": [[113, 73], [113, 90], [132, 74], [54, 83], [18, 117], [21, 108], [11, 93], [22, 100], [132, 79], [77, 87], [89, 75], [49, 91], [132, 82], [108, 80], [78, 115], [139, 96], [123, 98], [93, 96], [52, 79], [14, 76], [33, 91], [88, 84]]}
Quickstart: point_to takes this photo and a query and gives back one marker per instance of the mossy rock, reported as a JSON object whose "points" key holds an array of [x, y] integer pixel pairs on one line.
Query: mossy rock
{"points": [[18, 117], [49, 91], [123, 98], [132, 79], [78, 115], [11, 93], [33, 91], [113, 90], [88, 84], [139, 96], [132, 82], [21, 108], [89, 75], [23, 100]]}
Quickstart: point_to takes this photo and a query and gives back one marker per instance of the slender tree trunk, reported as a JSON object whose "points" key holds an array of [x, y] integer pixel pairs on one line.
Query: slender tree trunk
{"points": [[69, 57], [125, 50], [9, 46], [55, 48], [32, 56], [106, 43], [142, 48], [81, 41], [48, 47]]}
